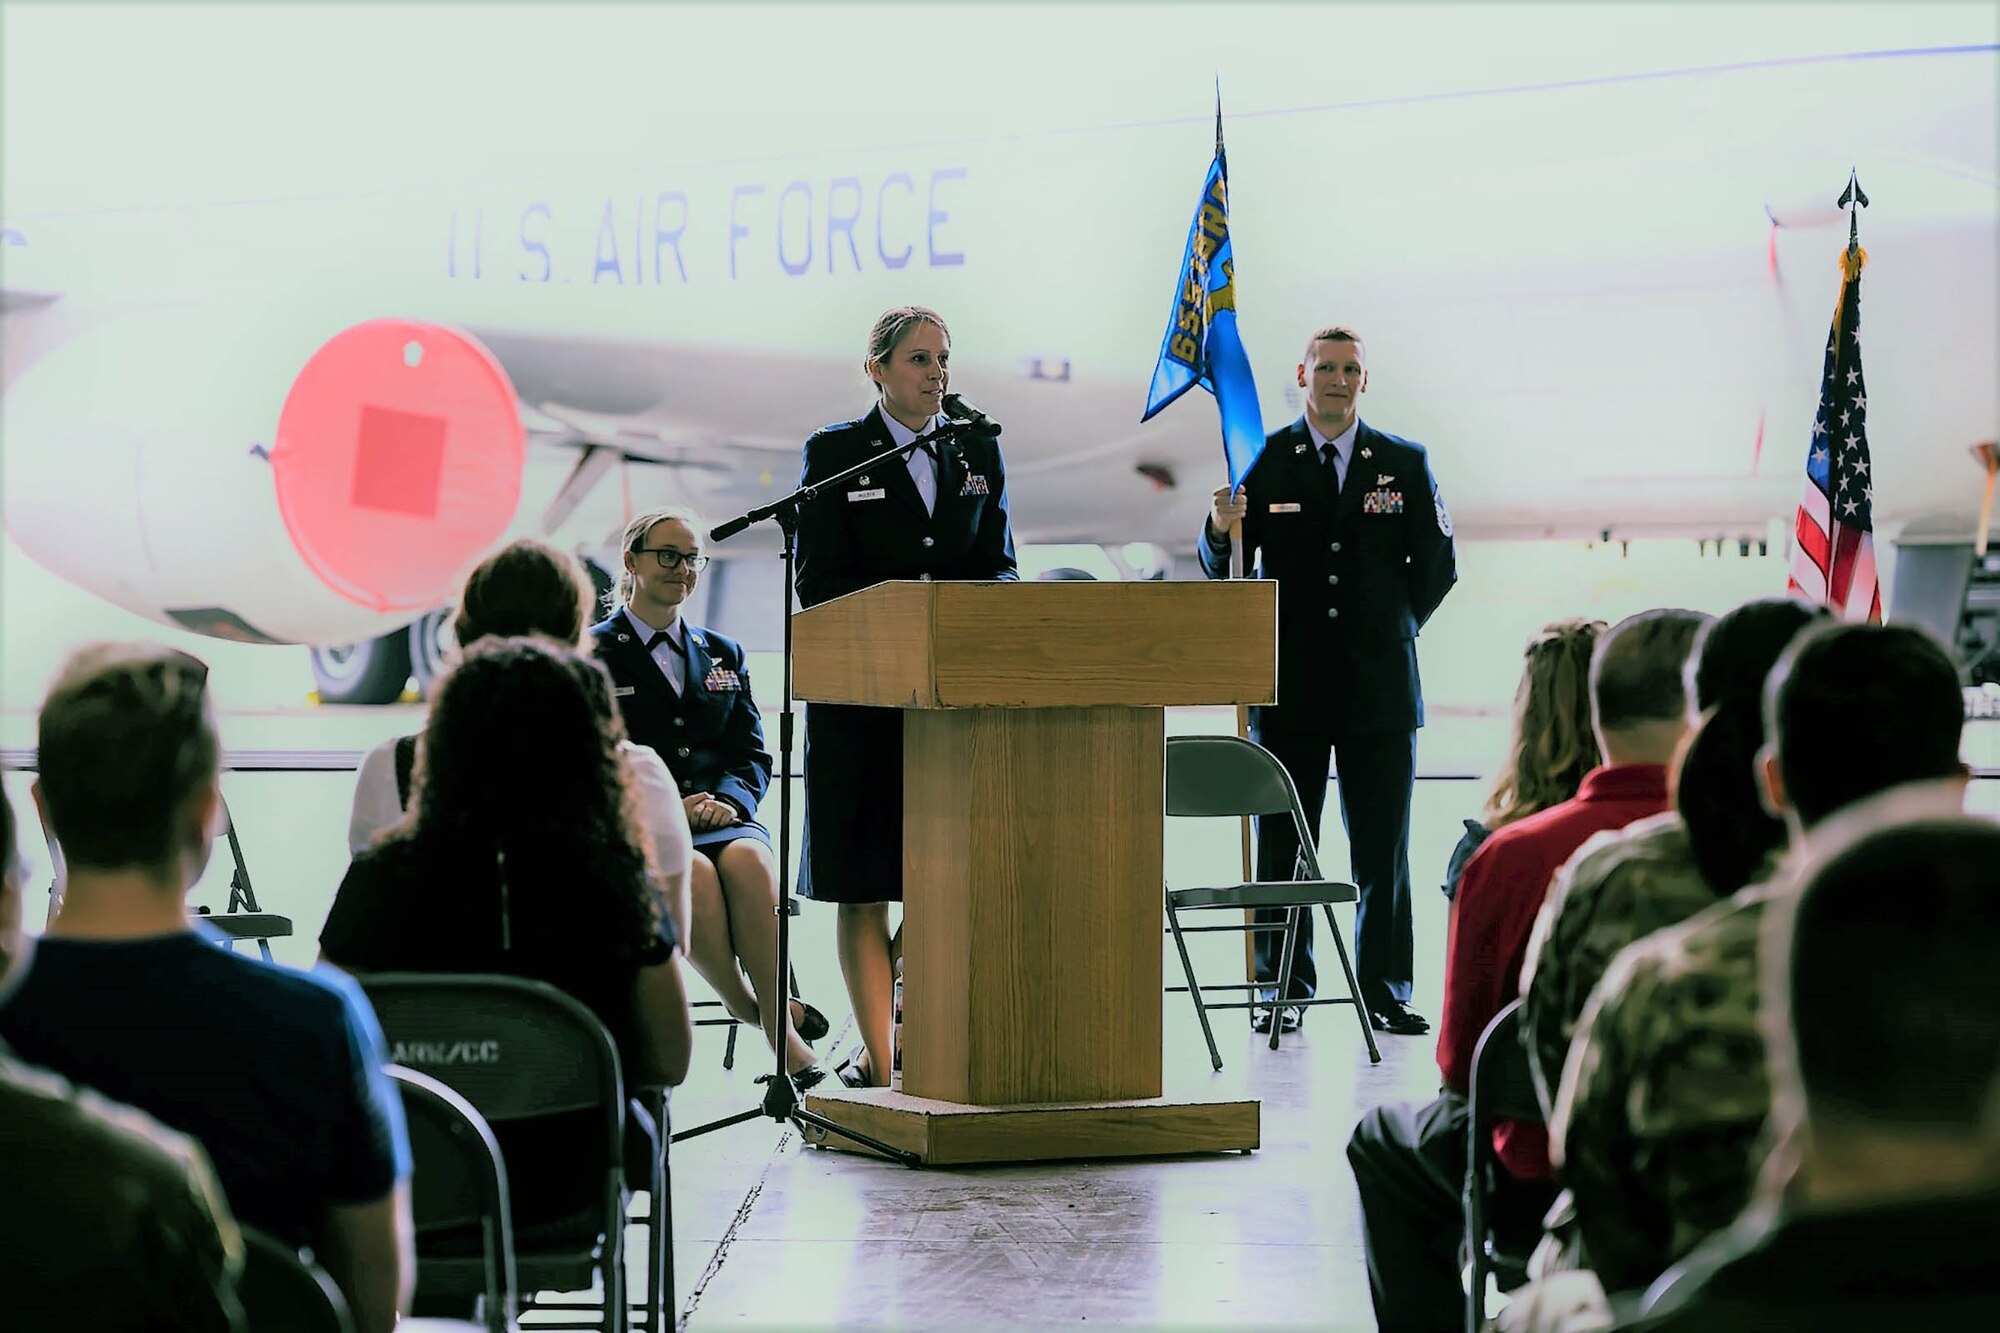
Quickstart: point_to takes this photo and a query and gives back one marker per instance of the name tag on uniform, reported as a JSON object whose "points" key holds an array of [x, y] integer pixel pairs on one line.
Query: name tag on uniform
{"points": [[1284, 509], [875, 494], [620, 691]]}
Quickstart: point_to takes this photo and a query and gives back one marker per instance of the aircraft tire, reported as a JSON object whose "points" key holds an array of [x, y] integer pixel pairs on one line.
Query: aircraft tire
{"points": [[430, 647], [373, 671]]}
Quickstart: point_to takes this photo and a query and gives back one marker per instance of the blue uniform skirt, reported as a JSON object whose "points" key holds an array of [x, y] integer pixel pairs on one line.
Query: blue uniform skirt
{"points": [[717, 837], [853, 847]]}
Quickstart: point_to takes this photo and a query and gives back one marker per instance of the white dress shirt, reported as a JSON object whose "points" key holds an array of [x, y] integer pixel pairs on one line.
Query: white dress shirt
{"points": [[1343, 447], [672, 664], [923, 468]]}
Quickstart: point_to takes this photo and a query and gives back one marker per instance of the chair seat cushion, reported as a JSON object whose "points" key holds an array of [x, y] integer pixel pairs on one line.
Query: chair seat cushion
{"points": [[1265, 893]]}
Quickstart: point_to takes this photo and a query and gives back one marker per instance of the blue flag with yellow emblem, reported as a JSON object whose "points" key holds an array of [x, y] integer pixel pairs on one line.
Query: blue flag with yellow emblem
{"points": [[1202, 345]]}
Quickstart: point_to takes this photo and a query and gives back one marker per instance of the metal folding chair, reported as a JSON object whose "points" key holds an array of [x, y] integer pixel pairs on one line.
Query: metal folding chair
{"points": [[279, 1289], [241, 920], [1502, 1088], [458, 1187], [518, 1050], [1226, 776]]}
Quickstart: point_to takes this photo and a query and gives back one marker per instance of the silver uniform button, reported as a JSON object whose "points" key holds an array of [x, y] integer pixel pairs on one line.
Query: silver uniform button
{"points": [[1336, 548], [682, 752], [1333, 613], [925, 578], [680, 722], [1332, 579], [929, 542]]}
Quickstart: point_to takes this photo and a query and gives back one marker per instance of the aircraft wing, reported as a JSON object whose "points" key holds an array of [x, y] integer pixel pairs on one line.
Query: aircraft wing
{"points": [[730, 423]]}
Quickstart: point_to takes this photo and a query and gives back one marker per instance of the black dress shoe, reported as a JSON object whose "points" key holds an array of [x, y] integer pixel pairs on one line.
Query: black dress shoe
{"points": [[1397, 1017], [850, 1072], [1292, 1017], [802, 1079], [812, 1024]]}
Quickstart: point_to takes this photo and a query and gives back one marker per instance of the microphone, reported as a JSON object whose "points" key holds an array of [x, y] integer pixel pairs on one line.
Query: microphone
{"points": [[962, 418], [731, 528]]}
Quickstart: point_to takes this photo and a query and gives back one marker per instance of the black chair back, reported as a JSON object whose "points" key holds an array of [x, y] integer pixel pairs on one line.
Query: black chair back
{"points": [[281, 1290], [1502, 1088], [521, 1050], [1225, 775], [459, 1183]]}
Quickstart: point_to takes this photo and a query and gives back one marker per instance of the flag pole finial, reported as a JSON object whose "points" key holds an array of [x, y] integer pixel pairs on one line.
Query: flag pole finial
{"points": [[1218, 122], [1851, 199]]}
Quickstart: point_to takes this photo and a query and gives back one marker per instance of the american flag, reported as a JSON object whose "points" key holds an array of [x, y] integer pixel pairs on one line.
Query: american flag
{"points": [[1833, 546]]}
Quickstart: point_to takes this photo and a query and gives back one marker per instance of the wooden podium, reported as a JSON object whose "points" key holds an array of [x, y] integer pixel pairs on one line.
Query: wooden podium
{"points": [[1034, 748]]}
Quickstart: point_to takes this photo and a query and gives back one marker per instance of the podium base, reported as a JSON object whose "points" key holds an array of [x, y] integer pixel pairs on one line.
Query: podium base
{"points": [[956, 1134]]}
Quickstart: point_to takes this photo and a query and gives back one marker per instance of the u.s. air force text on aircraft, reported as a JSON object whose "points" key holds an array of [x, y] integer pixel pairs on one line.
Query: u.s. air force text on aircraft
{"points": [[836, 225]]}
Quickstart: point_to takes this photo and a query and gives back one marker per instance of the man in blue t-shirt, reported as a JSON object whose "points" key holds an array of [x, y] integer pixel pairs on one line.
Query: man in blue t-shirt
{"points": [[278, 1073]]}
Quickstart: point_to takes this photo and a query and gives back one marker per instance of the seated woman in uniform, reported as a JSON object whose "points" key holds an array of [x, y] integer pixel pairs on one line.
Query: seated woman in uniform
{"points": [[1552, 745], [685, 691], [523, 855], [531, 587], [937, 512]]}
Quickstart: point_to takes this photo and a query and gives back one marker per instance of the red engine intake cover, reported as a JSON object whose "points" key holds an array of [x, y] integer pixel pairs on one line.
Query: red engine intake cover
{"points": [[398, 459]]}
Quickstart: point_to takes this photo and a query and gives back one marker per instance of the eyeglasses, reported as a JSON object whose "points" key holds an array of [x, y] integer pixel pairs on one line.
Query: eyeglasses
{"points": [[669, 558]]}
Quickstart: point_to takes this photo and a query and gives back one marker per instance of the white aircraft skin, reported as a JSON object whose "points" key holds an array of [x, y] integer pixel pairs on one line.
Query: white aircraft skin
{"points": [[1586, 295]]}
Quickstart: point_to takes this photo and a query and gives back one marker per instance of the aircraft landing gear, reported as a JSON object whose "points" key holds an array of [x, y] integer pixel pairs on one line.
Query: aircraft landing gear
{"points": [[373, 671], [430, 644]]}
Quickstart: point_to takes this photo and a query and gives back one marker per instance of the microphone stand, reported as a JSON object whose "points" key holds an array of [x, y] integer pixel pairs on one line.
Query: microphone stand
{"points": [[782, 1101]]}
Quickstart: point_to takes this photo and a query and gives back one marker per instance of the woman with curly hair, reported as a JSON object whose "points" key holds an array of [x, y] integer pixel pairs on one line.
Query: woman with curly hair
{"points": [[524, 854], [1552, 746], [531, 587]]}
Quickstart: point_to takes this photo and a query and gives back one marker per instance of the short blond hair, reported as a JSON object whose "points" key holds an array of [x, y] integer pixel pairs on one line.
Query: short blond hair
{"points": [[1337, 333]]}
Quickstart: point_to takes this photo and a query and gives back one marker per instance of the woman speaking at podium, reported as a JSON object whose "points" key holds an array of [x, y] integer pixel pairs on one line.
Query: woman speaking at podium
{"points": [[937, 512]]}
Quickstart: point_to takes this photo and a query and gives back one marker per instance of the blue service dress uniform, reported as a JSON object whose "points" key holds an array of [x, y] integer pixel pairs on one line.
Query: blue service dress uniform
{"points": [[1360, 568], [710, 733], [871, 529]]}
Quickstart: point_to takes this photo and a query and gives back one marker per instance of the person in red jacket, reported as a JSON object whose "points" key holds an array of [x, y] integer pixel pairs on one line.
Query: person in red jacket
{"points": [[1409, 1160]]}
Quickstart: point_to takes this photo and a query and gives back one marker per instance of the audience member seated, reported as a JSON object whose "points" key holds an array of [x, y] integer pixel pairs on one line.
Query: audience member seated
{"points": [[1658, 1123], [1409, 1161], [523, 855], [686, 690], [277, 1073], [112, 1221], [531, 587], [1552, 746], [1629, 882], [1881, 1019], [1626, 883]]}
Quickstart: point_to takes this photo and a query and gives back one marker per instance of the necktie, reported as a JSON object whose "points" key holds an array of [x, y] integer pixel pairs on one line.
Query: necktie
{"points": [[1329, 458], [674, 671], [925, 478]]}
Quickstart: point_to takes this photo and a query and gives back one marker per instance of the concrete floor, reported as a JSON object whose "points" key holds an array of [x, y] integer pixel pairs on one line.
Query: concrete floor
{"points": [[773, 1234]]}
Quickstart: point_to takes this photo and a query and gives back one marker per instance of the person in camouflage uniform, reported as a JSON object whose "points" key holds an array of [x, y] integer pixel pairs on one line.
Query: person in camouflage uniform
{"points": [[1658, 1123], [1661, 870], [1885, 1212]]}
